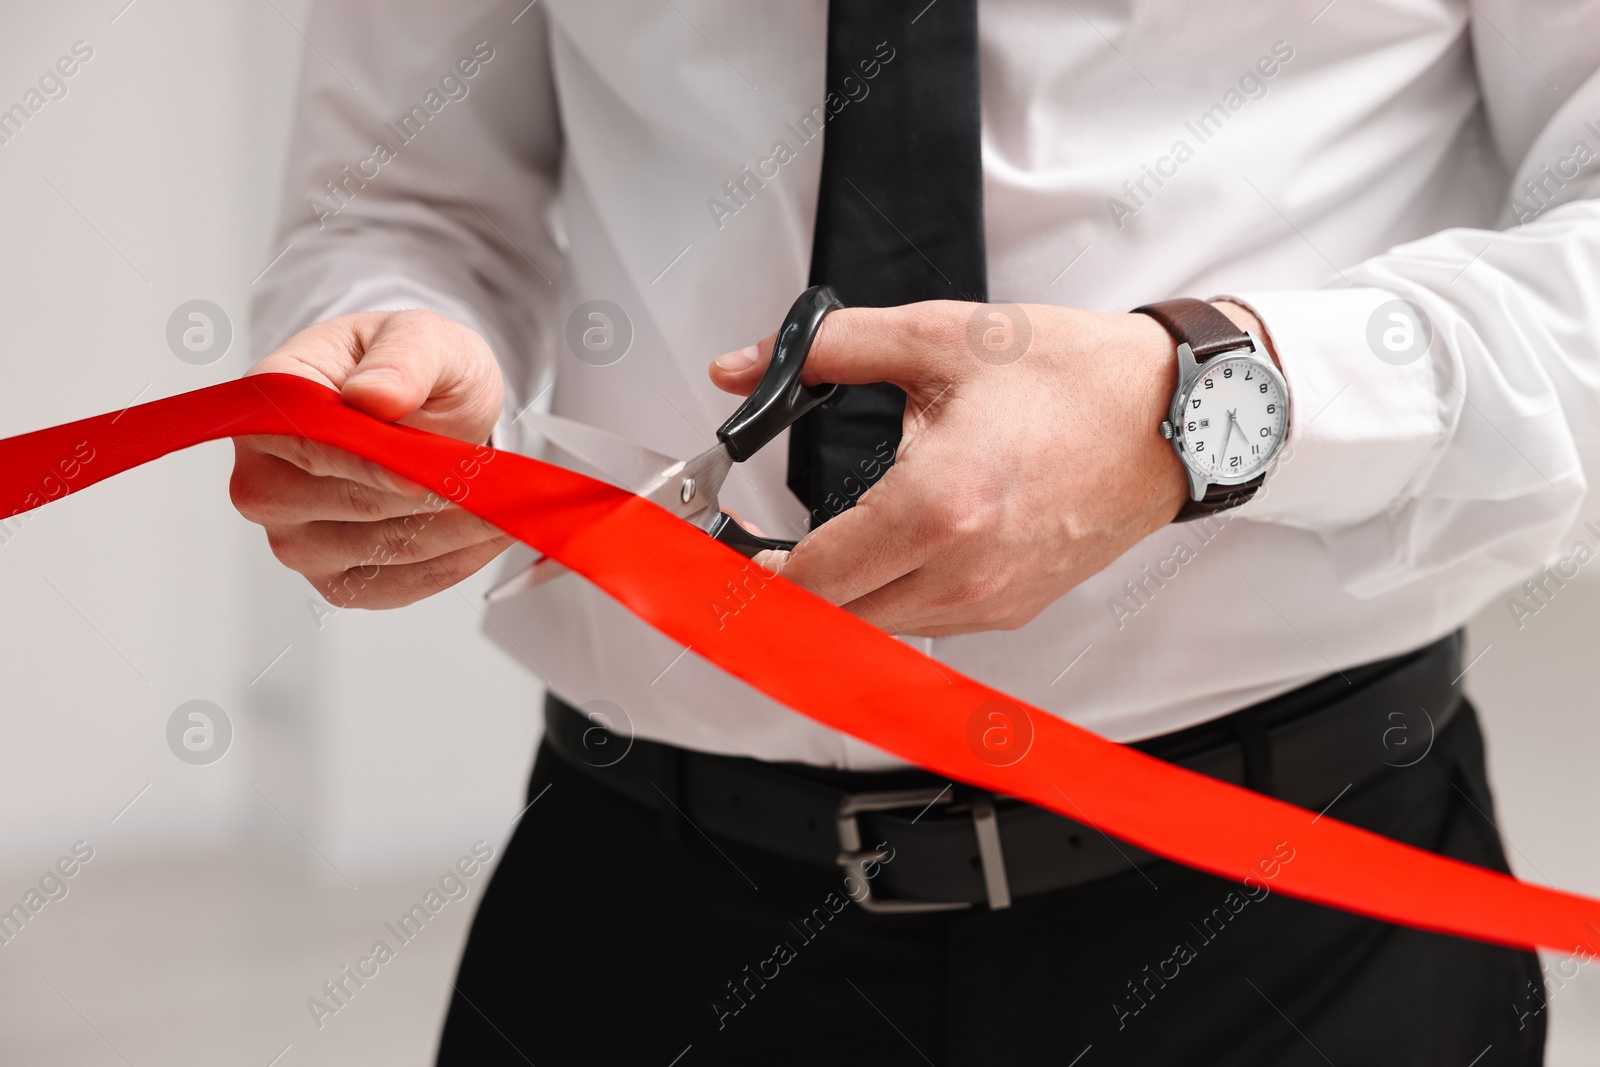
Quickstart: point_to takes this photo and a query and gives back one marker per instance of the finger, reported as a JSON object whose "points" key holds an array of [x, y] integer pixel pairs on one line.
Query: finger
{"points": [[926, 603], [771, 560], [906, 345], [739, 371], [326, 461], [415, 367], [401, 584], [860, 550], [327, 547], [324, 352], [427, 372], [271, 491], [920, 603]]}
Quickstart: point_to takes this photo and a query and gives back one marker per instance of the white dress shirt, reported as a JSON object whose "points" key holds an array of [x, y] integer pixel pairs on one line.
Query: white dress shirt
{"points": [[1317, 162]]}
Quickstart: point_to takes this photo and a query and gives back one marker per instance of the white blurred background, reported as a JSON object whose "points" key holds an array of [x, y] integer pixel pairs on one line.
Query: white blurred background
{"points": [[370, 753]]}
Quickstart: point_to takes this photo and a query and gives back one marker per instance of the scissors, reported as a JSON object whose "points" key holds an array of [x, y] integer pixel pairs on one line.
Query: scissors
{"points": [[690, 488]]}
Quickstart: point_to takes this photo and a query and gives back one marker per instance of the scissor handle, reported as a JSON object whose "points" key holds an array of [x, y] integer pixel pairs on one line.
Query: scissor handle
{"points": [[742, 541], [779, 399]]}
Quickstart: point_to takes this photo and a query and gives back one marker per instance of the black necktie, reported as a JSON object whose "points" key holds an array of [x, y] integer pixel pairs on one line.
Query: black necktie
{"points": [[900, 213]]}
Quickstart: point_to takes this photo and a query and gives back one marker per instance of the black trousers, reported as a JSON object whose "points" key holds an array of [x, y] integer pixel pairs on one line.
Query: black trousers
{"points": [[602, 941]]}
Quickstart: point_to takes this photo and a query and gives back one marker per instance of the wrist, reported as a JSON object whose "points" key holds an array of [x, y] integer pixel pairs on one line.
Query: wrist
{"points": [[1227, 434]]}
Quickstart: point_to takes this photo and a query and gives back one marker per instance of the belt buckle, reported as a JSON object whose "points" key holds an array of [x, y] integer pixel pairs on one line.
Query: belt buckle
{"points": [[854, 858]]}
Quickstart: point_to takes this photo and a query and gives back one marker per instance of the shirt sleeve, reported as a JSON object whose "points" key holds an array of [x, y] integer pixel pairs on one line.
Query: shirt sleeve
{"points": [[422, 173], [1447, 392]]}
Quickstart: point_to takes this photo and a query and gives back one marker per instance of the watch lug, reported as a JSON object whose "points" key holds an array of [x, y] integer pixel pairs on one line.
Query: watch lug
{"points": [[1197, 485], [1187, 367]]}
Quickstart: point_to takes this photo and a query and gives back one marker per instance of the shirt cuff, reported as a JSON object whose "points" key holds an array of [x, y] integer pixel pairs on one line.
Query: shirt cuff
{"points": [[1363, 427]]}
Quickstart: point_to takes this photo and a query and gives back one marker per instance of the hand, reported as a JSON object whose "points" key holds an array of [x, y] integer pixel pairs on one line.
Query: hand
{"points": [[1013, 483], [361, 535]]}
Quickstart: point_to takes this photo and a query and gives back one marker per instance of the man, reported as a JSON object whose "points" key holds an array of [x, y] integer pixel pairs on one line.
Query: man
{"points": [[577, 204]]}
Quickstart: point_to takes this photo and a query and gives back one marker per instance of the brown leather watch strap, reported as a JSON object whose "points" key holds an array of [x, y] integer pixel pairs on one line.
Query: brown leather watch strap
{"points": [[1218, 498], [1206, 330]]}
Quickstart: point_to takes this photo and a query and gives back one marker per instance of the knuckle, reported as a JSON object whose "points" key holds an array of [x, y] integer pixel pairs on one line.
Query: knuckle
{"points": [[357, 500], [978, 590], [245, 492], [293, 450], [396, 539], [836, 334], [350, 589], [962, 510], [936, 325], [945, 519], [288, 547], [969, 592], [968, 525], [436, 575]]}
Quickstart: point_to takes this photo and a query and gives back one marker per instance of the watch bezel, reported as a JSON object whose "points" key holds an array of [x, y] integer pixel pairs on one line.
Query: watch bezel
{"points": [[1189, 372]]}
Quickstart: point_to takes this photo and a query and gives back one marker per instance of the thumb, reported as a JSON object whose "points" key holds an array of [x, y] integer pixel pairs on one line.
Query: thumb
{"points": [[424, 370], [905, 346]]}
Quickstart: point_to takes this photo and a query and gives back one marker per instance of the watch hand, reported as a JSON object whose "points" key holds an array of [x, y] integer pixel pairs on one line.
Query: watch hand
{"points": [[1233, 424], [1227, 439]]}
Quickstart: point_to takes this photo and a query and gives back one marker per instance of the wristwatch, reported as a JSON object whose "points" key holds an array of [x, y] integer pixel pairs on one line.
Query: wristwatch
{"points": [[1230, 412]]}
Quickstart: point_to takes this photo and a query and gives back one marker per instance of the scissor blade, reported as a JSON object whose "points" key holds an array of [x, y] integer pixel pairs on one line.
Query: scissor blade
{"points": [[632, 466], [690, 490]]}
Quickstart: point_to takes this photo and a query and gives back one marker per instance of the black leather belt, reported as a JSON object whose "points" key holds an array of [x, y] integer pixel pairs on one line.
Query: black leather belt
{"points": [[954, 846]]}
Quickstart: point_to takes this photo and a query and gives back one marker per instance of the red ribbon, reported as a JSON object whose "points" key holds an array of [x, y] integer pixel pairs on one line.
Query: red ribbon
{"points": [[878, 689]]}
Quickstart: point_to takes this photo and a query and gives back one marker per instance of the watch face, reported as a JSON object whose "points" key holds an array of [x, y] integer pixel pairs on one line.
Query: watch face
{"points": [[1233, 419]]}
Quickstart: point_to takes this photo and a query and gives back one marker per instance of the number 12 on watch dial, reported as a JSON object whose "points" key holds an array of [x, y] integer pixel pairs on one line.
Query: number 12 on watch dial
{"points": [[1233, 419]]}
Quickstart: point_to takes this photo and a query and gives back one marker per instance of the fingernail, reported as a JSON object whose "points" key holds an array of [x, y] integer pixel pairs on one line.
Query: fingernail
{"points": [[737, 361], [770, 561], [374, 375]]}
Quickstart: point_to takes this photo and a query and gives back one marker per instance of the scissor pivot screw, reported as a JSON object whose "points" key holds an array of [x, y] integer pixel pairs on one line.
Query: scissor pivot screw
{"points": [[686, 494]]}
